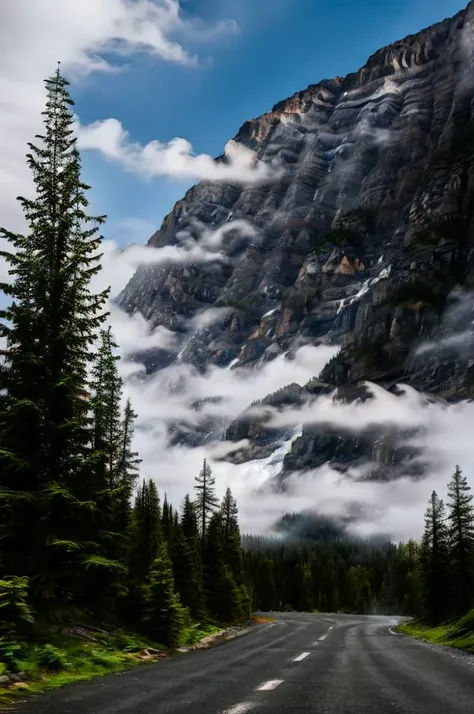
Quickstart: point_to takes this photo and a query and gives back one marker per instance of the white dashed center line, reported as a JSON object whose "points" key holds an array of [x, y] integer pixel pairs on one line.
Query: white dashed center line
{"points": [[300, 657], [323, 637], [271, 684], [240, 708]]}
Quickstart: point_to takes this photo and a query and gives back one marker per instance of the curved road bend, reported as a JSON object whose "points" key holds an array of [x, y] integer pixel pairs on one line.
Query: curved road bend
{"points": [[301, 664]]}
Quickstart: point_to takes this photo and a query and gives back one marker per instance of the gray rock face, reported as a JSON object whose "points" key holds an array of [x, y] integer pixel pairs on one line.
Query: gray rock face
{"points": [[361, 242]]}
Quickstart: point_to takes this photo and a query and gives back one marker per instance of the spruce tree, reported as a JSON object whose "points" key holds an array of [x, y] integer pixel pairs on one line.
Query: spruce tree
{"points": [[232, 547], [106, 404], [50, 326], [206, 499], [461, 542], [164, 616], [435, 562], [190, 577], [167, 520], [126, 472], [146, 532], [223, 597], [114, 467]]}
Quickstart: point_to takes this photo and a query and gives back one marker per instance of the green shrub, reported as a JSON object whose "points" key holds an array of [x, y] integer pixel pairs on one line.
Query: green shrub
{"points": [[126, 643], [51, 658]]}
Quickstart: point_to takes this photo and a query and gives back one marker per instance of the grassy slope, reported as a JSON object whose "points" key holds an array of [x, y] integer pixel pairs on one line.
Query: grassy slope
{"points": [[76, 659], [459, 634]]}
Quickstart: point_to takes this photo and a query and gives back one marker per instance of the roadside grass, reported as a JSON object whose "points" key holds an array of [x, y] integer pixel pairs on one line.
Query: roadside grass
{"points": [[458, 633], [197, 631], [50, 658]]}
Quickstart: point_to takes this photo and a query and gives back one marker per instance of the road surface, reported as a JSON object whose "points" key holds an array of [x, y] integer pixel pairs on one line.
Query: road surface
{"points": [[301, 664]]}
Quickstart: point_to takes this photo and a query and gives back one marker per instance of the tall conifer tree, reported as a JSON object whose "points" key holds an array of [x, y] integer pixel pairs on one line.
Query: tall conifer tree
{"points": [[49, 326], [147, 534], [231, 536], [435, 561], [163, 613], [190, 579], [206, 499], [461, 542]]}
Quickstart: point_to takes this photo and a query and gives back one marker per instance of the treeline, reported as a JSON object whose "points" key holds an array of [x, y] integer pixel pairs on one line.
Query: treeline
{"points": [[70, 536], [432, 580], [184, 566], [340, 575]]}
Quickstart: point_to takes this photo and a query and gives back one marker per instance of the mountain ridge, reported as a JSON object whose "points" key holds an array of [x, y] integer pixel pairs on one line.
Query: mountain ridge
{"points": [[365, 242]]}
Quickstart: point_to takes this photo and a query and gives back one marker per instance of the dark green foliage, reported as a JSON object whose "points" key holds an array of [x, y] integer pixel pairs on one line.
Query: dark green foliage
{"points": [[114, 469], [164, 616], [231, 542], [147, 534], [188, 570], [69, 537], [223, 597], [50, 657], [50, 325], [206, 499], [461, 542], [167, 519], [326, 575], [15, 612], [435, 562]]}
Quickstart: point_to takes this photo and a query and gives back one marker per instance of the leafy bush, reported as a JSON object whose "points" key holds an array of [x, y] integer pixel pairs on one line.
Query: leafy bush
{"points": [[126, 643], [51, 658], [100, 658], [14, 610]]}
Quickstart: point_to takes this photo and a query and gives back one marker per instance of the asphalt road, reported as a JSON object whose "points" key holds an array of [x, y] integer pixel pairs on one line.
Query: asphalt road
{"points": [[316, 664]]}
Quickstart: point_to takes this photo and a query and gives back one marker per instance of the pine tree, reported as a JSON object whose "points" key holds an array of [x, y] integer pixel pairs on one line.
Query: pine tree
{"points": [[206, 499], [434, 561], [232, 547], [167, 520], [49, 327], [164, 615], [461, 542], [126, 471], [106, 401], [223, 598], [147, 534], [189, 581]]}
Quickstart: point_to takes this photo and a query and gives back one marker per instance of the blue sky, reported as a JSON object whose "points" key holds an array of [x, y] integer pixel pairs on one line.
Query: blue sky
{"points": [[277, 48]]}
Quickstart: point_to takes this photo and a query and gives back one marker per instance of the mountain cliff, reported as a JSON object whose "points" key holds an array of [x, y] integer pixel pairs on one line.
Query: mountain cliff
{"points": [[364, 240]]}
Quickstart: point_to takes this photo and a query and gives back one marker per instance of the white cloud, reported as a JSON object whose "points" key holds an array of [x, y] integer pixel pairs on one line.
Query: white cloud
{"points": [[444, 436], [174, 158], [119, 264], [169, 394], [456, 332], [396, 508], [383, 409], [87, 36], [131, 331]]}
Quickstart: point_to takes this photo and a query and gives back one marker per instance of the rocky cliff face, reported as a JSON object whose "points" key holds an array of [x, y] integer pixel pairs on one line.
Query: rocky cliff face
{"points": [[365, 240]]}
